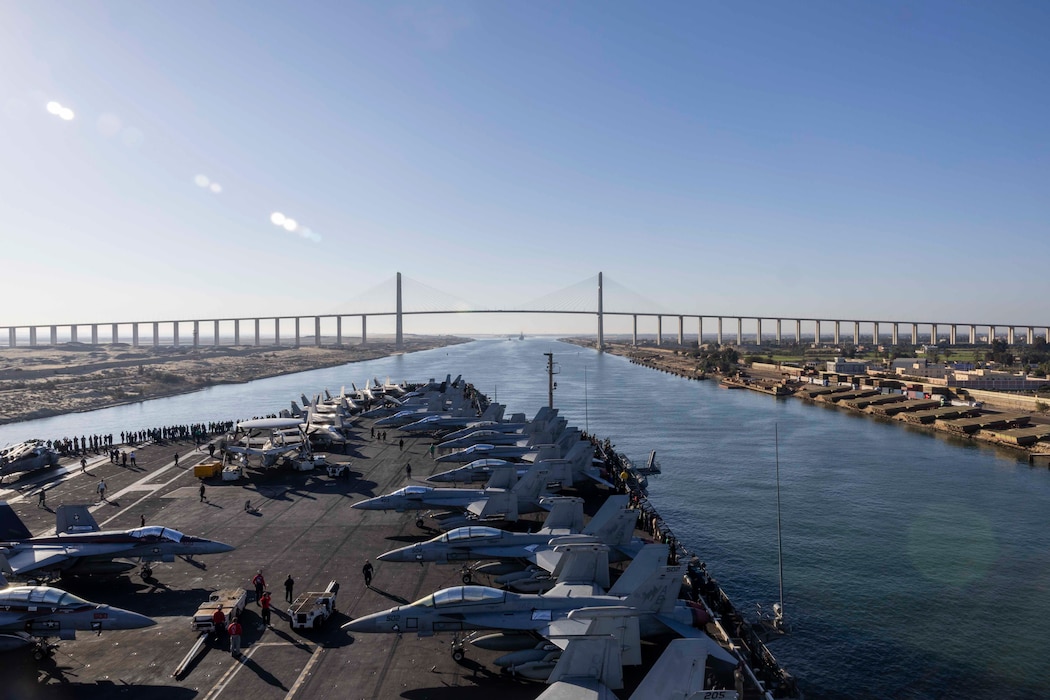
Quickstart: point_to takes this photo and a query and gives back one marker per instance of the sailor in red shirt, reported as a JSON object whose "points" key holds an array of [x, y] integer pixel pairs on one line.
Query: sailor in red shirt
{"points": [[235, 637]]}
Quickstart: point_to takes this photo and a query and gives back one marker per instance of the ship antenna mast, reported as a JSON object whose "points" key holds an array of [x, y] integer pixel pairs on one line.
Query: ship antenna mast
{"points": [[551, 384]]}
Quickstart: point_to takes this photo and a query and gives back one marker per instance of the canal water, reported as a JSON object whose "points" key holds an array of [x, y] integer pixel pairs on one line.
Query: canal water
{"points": [[915, 566]]}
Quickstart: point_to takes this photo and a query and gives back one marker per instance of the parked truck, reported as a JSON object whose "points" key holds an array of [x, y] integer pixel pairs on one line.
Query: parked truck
{"points": [[312, 610], [232, 601]]}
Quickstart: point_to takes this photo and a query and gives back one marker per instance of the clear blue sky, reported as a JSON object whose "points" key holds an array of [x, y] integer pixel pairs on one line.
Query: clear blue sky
{"points": [[835, 159]]}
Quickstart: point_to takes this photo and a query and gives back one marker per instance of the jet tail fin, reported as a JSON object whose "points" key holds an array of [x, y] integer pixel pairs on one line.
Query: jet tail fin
{"points": [[650, 558], [74, 518], [659, 592], [11, 526], [502, 477], [679, 672], [590, 667], [530, 485], [566, 513], [583, 564], [613, 505]]}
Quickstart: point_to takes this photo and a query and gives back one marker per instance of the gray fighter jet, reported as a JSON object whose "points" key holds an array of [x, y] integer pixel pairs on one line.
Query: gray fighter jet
{"points": [[30, 614], [81, 548], [486, 503], [25, 457]]}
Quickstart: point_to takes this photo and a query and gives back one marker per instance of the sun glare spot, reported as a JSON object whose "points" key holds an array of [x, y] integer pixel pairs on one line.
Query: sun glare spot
{"points": [[215, 187], [290, 224], [277, 218], [201, 180], [54, 108], [66, 114]]}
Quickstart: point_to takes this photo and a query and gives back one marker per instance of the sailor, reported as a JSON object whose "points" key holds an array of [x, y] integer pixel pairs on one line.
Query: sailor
{"points": [[83, 464], [367, 570], [235, 637], [289, 584], [218, 622], [260, 583], [203, 497], [265, 603], [102, 489]]}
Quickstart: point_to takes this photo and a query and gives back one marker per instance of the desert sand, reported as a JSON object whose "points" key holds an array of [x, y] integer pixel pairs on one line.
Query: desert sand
{"points": [[45, 381]]}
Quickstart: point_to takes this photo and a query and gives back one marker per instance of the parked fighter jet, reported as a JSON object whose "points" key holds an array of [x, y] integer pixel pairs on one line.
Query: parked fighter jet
{"points": [[437, 423], [26, 456], [550, 615], [564, 525], [30, 614], [487, 503], [80, 548]]}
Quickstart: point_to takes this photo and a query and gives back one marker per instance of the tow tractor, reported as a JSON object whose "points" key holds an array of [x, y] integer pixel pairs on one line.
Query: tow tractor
{"points": [[311, 610], [232, 601]]}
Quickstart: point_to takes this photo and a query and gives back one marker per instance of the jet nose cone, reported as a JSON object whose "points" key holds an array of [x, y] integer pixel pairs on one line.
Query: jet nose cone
{"points": [[402, 554], [203, 546], [119, 619], [369, 504]]}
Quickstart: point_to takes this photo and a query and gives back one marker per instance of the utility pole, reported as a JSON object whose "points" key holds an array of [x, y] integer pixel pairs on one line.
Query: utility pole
{"points": [[551, 384]]}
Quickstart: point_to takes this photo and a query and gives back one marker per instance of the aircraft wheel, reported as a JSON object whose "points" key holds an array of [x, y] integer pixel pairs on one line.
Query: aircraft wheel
{"points": [[458, 655], [467, 578], [146, 574], [419, 523], [38, 654]]}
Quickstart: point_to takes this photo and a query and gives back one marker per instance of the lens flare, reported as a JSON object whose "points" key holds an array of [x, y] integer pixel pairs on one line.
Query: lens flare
{"points": [[215, 187], [201, 180], [67, 114], [54, 108], [290, 224], [277, 218]]}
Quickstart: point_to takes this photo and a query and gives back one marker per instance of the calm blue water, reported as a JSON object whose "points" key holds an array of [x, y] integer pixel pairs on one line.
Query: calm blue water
{"points": [[915, 566]]}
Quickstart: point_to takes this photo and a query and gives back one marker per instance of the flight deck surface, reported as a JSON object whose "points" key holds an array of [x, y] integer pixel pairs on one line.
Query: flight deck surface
{"points": [[300, 524]]}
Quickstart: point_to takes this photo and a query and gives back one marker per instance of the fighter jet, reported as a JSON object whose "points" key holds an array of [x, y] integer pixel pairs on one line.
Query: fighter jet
{"points": [[438, 423], [551, 615], [26, 456], [491, 502], [564, 525], [30, 614], [81, 548]]}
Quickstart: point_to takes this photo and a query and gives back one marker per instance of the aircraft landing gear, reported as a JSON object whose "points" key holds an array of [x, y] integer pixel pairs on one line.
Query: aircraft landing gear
{"points": [[419, 523], [43, 650], [467, 578], [146, 573], [458, 654]]}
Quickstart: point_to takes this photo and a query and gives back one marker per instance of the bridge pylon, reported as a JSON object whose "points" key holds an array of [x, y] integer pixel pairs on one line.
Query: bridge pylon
{"points": [[399, 337], [601, 319]]}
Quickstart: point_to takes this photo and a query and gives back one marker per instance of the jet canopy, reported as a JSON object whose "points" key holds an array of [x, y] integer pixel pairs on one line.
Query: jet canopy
{"points": [[40, 595], [463, 594], [470, 533], [411, 490], [158, 533]]}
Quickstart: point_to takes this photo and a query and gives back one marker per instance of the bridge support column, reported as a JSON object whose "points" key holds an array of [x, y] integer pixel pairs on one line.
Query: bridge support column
{"points": [[1031, 335], [779, 335], [973, 335], [174, 332], [634, 330], [339, 331], [277, 331], [317, 331], [915, 334], [156, 334], [32, 336], [113, 334], [739, 330], [601, 315], [895, 330], [94, 334], [364, 329], [952, 334], [838, 332], [399, 338], [297, 332], [1009, 336], [215, 333], [135, 334], [236, 331], [681, 330], [875, 333], [257, 332], [856, 332], [73, 333], [659, 330], [196, 333], [54, 335], [758, 331], [934, 330], [816, 331], [798, 331], [699, 331], [991, 334], [718, 337], [11, 335]]}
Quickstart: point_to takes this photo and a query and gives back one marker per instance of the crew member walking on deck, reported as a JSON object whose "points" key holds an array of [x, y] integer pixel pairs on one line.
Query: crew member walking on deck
{"points": [[101, 488], [260, 583], [408, 470], [83, 465], [367, 570], [218, 622], [289, 585], [203, 497]]}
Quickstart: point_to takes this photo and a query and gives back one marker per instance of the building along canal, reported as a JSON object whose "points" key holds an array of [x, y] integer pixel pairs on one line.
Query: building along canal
{"points": [[915, 565]]}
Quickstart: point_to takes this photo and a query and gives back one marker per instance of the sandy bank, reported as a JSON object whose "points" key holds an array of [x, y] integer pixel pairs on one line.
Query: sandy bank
{"points": [[47, 381]]}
